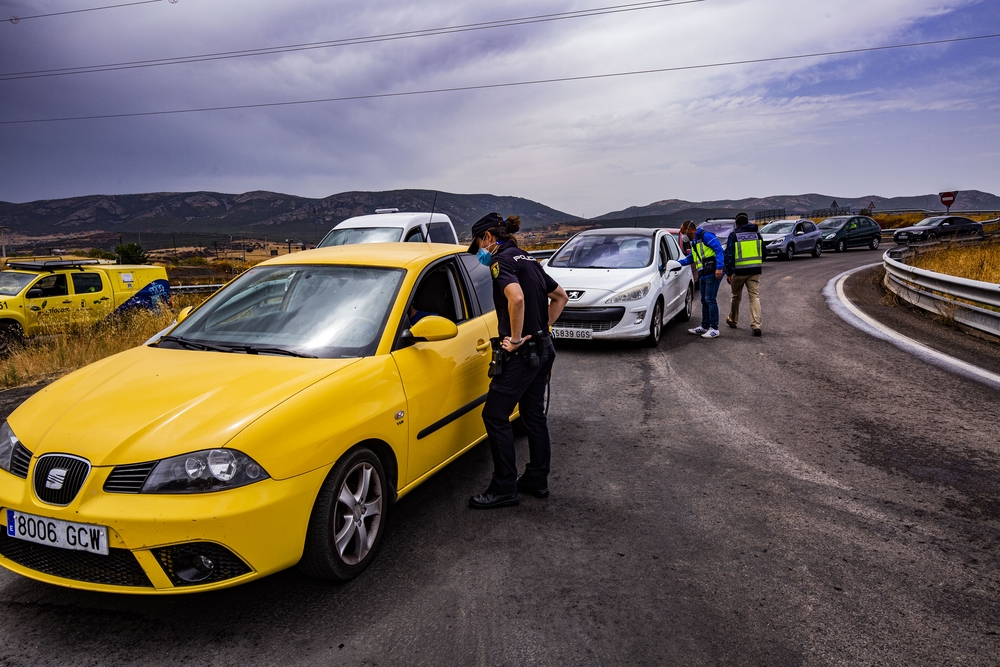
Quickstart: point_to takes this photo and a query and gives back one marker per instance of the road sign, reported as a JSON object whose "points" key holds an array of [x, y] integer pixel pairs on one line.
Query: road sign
{"points": [[948, 198]]}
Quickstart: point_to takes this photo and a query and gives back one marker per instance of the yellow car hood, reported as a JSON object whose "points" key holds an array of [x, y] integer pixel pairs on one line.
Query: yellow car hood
{"points": [[149, 403]]}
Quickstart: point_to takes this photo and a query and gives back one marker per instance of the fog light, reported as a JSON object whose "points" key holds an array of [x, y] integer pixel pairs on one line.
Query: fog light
{"points": [[197, 568], [639, 317]]}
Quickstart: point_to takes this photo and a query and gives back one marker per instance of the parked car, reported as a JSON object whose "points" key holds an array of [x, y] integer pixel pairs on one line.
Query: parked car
{"points": [[787, 237], [276, 424], [542, 255], [850, 231], [39, 295], [389, 225], [620, 285], [939, 226]]}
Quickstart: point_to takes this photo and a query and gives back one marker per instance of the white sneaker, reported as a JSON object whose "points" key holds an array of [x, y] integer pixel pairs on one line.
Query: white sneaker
{"points": [[711, 333], [697, 331]]}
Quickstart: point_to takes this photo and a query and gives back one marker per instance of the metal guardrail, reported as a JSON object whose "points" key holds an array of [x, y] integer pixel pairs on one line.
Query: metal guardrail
{"points": [[974, 303]]}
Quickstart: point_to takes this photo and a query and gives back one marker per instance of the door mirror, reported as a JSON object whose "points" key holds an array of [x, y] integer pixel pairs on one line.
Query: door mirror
{"points": [[181, 316], [434, 327], [799, 233], [35, 293], [674, 265]]}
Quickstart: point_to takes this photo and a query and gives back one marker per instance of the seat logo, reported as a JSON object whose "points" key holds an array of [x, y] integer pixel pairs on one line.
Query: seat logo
{"points": [[55, 479], [574, 294]]}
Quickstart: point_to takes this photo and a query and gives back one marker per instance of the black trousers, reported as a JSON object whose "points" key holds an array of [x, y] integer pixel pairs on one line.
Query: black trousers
{"points": [[519, 383]]}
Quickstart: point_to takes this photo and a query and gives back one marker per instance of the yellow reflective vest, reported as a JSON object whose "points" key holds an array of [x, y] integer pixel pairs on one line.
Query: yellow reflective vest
{"points": [[749, 250]]}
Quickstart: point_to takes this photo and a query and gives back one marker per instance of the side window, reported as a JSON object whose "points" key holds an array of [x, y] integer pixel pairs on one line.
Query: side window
{"points": [[672, 248], [415, 236], [799, 229], [439, 293], [54, 285], [853, 224], [87, 283], [809, 227], [481, 281], [441, 232]]}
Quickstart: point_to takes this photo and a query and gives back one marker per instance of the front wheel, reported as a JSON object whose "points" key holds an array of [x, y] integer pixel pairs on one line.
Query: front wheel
{"points": [[348, 519], [874, 243], [790, 251], [685, 314], [841, 245], [11, 337], [817, 249], [655, 325]]}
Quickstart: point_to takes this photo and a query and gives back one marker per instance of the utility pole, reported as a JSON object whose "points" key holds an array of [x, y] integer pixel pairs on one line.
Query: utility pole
{"points": [[175, 245], [3, 247]]}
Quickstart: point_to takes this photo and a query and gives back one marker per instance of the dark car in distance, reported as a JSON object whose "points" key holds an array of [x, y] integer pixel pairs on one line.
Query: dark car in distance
{"points": [[938, 226], [850, 231]]}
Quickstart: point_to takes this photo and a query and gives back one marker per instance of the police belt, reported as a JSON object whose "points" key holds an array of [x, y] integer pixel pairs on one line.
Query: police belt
{"points": [[529, 352]]}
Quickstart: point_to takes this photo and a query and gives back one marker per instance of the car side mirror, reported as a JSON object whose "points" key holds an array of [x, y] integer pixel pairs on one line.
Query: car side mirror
{"points": [[674, 265], [434, 327], [181, 316], [799, 233], [35, 293]]}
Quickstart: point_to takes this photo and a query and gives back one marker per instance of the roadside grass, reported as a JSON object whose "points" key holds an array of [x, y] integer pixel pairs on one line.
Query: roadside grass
{"points": [[55, 353], [978, 262]]}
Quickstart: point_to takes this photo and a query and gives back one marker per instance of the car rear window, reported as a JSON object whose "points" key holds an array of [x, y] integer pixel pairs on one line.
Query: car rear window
{"points": [[84, 283], [441, 232]]}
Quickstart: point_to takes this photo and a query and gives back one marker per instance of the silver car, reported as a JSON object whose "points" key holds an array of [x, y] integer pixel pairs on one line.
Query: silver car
{"points": [[785, 238]]}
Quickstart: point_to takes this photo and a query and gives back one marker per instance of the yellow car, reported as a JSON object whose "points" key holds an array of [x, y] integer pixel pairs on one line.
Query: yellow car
{"points": [[275, 425]]}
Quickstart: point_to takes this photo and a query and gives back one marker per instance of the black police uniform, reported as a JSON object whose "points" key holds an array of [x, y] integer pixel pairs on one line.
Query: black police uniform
{"points": [[523, 379]]}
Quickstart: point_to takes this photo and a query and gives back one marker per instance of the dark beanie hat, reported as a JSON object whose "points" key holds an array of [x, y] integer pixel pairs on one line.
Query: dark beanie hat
{"points": [[742, 219]]}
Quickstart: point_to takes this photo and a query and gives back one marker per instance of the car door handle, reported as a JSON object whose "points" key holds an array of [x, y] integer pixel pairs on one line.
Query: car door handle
{"points": [[482, 345], [68, 301]]}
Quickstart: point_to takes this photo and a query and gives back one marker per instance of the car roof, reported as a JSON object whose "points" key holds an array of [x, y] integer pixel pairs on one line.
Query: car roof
{"points": [[390, 255], [637, 231], [401, 220]]}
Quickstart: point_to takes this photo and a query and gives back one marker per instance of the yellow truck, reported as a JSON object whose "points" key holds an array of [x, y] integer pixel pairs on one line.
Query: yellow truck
{"points": [[39, 295]]}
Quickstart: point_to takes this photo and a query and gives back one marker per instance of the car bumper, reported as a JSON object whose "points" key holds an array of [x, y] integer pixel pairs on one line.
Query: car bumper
{"points": [[626, 326], [250, 532]]}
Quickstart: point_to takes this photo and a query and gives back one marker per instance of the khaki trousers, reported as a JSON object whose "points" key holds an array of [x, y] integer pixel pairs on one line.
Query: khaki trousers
{"points": [[753, 289]]}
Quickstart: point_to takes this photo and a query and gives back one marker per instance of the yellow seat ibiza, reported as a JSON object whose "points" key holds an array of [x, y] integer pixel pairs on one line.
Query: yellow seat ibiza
{"points": [[275, 425]]}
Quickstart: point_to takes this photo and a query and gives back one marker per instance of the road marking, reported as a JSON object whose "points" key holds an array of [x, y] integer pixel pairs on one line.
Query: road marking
{"points": [[842, 306]]}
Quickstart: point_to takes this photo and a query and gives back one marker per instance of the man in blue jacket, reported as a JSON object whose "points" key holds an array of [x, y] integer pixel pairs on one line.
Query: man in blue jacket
{"points": [[744, 264], [707, 256]]}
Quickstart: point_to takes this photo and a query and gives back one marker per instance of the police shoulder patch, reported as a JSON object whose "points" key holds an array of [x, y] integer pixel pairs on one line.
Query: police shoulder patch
{"points": [[495, 269]]}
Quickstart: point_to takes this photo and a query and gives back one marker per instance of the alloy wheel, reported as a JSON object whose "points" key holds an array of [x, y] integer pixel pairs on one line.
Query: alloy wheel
{"points": [[357, 516]]}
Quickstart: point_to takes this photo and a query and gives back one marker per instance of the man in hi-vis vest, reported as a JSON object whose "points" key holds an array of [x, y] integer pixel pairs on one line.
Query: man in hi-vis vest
{"points": [[744, 264], [706, 255]]}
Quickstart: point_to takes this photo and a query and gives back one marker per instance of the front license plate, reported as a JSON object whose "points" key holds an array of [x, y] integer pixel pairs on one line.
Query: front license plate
{"points": [[582, 334], [55, 533]]}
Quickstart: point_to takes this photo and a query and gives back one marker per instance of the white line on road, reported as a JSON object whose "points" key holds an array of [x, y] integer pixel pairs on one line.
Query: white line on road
{"points": [[842, 306]]}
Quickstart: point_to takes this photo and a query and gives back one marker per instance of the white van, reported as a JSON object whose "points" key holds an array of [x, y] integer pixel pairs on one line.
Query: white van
{"points": [[389, 226]]}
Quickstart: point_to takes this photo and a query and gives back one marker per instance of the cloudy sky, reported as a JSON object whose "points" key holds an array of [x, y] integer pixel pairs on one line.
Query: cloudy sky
{"points": [[899, 122]]}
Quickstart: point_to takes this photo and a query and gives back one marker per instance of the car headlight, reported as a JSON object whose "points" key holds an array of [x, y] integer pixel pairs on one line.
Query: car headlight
{"points": [[204, 471], [830, 236], [633, 294], [775, 241], [8, 441]]}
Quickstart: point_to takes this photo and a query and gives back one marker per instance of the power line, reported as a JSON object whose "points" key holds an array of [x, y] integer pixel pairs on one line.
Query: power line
{"points": [[17, 19], [509, 84], [348, 41]]}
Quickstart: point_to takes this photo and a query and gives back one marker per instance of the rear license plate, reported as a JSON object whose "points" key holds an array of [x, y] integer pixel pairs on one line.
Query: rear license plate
{"points": [[583, 334], [55, 533]]}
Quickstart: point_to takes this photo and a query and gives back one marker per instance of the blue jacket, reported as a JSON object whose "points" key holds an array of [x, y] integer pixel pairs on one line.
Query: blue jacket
{"points": [[712, 241]]}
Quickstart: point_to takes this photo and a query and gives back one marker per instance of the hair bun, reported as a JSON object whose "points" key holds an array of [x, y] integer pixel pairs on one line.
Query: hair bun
{"points": [[512, 224]]}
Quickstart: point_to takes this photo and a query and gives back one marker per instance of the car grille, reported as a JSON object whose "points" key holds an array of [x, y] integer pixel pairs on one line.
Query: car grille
{"points": [[596, 319], [176, 559], [128, 478], [67, 483], [20, 459], [118, 568], [595, 326]]}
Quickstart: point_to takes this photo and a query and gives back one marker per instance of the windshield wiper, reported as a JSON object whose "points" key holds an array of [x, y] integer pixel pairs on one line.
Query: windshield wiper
{"points": [[261, 349], [193, 345]]}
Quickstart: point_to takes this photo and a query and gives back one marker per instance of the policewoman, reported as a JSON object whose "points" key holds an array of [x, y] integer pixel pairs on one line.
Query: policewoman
{"points": [[527, 301], [744, 264]]}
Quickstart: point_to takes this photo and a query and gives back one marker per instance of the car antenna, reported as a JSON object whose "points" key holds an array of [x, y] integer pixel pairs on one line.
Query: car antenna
{"points": [[433, 206]]}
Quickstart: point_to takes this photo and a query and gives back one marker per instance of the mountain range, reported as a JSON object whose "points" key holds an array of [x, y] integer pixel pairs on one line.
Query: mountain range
{"points": [[186, 216]]}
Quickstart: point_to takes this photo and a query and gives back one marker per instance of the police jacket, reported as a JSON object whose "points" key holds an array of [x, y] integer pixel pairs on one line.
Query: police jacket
{"points": [[749, 265], [706, 253]]}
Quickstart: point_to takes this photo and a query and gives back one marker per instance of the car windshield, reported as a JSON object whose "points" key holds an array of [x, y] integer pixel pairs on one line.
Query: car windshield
{"points": [[324, 311], [720, 229], [351, 235], [777, 228], [929, 222], [605, 251], [833, 223], [11, 282]]}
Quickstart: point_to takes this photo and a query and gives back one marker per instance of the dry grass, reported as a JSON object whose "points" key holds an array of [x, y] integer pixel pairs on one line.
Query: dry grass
{"points": [[57, 352], [978, 262]]}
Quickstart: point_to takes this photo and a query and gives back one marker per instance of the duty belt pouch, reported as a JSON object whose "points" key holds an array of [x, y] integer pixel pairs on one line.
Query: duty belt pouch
{"points": [[532, 356], [496, 361]]}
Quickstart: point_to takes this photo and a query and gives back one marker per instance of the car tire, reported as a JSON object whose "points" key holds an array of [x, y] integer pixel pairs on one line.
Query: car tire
{"points": [[874, 243], [352, 504], [790, 251], [817, 249], [655, 325], [685, 313], [841, 245], [11, 337]]}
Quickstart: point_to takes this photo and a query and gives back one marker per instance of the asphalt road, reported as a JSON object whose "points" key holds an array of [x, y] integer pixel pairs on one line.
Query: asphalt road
{"points": [[813, 497]]}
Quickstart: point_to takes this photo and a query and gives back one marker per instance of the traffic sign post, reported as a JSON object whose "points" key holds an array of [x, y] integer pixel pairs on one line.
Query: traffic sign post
{"points": [[948, 198]]}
